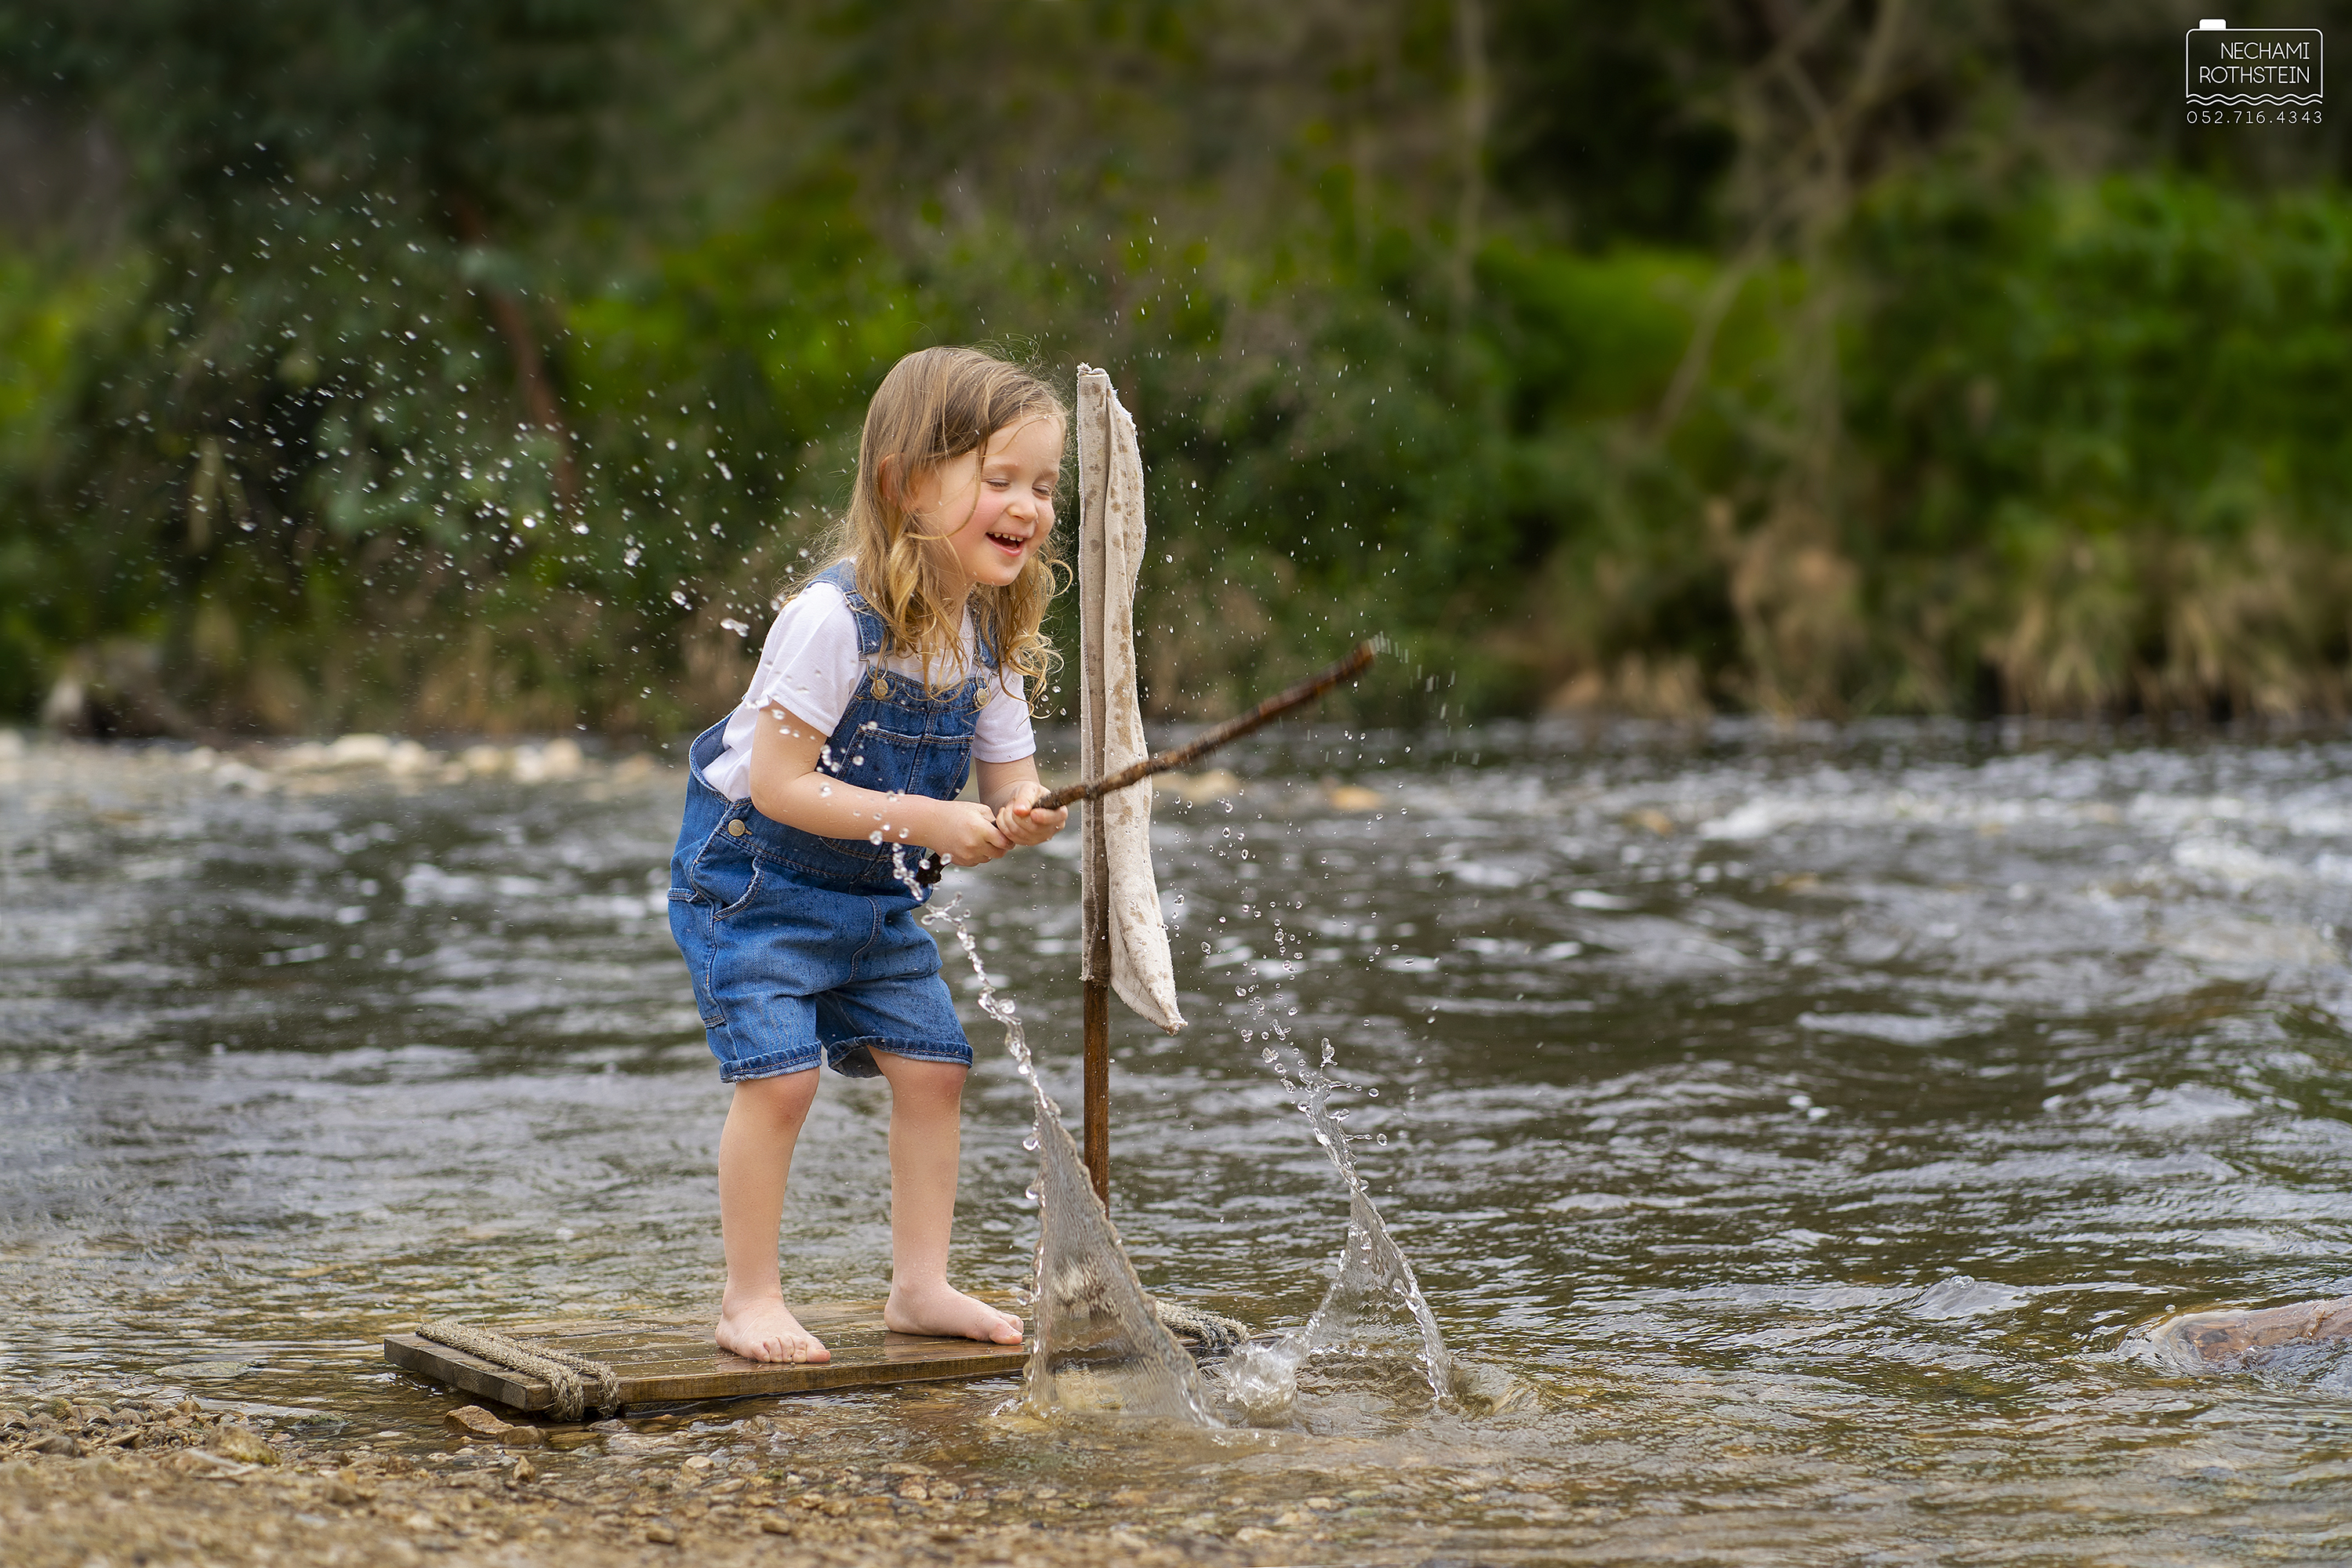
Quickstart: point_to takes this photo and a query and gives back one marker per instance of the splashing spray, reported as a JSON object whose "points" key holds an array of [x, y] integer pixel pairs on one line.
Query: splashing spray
{"points": [[1262, 1378], [1097, 1345]]}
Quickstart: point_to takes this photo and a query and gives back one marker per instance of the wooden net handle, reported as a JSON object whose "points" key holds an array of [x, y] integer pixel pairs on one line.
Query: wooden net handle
{"points": [[1209, 739]]}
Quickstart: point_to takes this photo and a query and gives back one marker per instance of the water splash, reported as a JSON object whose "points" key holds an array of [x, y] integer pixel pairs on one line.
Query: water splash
{"points": [[1262, 1378], [1097, 1344]]}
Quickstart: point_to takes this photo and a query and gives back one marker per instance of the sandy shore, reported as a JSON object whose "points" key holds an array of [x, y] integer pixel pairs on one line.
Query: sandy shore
{"points": [[160, 1484]]}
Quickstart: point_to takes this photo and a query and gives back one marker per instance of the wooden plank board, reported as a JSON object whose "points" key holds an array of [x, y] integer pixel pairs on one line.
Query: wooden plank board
{"points": [[664, 1360]]}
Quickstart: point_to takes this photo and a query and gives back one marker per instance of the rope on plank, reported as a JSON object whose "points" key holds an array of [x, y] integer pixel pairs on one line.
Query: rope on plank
{"points": [[566, 1376], [1210, 1332]]}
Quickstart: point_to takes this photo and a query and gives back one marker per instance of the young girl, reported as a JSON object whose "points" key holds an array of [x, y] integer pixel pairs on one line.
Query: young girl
{"points": [[882, 681]]}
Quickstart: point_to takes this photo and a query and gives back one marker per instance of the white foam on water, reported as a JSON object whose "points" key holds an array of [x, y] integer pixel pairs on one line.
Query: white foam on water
{"points": [[1896, 1028]]}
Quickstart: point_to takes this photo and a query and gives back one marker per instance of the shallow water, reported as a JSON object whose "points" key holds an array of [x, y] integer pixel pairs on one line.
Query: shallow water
{"points": [[1787, 1129]]}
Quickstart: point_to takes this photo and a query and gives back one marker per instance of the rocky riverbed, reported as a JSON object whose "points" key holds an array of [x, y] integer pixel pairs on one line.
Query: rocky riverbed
{"points": [[86, 1481]]}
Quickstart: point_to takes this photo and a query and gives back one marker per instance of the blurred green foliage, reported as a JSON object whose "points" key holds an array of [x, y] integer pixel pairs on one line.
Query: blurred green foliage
{"points": [[489, 366]]}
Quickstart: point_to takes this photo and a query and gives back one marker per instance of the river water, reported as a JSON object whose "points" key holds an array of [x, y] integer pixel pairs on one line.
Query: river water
{"points": [[1788, 1129]]}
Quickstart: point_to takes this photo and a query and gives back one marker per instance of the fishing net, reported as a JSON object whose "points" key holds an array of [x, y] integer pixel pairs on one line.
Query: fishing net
{"points": [[1097, 1342], [1101, 1344]]}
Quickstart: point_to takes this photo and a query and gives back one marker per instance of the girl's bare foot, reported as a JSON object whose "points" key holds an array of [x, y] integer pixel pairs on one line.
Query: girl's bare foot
{"points": [[947, 1312], [763, 1330]]}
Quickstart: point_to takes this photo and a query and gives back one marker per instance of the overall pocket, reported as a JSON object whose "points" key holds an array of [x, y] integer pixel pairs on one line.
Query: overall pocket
{"points": [[692, 926], [726, 874]]}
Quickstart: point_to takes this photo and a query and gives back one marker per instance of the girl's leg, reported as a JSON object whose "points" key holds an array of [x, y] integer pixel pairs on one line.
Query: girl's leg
{"points": [[755, 1155], [926, 1125]]}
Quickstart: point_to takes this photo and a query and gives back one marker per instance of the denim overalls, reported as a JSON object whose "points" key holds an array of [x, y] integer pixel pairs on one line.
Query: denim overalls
{"points": [[802, 946]]}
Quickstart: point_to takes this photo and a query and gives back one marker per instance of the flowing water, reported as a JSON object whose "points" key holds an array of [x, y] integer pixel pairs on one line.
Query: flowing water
{"points": [[1786, 1131]]}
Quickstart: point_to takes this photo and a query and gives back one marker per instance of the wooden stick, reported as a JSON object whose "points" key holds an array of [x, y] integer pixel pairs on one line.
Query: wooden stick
{"points": [[1094, 999], [1208, 740], [1095, 440]]}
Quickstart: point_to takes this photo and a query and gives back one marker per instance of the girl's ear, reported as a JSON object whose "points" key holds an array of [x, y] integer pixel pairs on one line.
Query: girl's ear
{"points": [[886, 481]]}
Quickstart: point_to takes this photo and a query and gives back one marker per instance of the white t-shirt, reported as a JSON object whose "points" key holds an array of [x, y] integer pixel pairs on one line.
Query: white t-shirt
{"points": [[811, 667]]}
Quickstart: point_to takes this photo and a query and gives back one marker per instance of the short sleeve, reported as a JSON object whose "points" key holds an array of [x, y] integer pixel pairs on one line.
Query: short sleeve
{"points": [[1003, 734], [810, 664]]}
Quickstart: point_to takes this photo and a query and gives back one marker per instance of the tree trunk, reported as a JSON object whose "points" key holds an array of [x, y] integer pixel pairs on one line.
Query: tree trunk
{"points": [[512, 321]]}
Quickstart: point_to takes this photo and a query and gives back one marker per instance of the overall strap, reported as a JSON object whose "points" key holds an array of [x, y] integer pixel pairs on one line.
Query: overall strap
{"points": [[871, 632], [983, 643]]}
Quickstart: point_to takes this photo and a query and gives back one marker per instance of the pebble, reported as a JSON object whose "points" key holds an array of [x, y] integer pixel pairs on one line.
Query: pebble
{"points": [[203, 1477], [244, 1445], [474, 1421]]}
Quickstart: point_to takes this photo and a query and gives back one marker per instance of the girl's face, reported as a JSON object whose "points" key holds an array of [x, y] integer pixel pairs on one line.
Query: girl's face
{"points": [[996, 505]]}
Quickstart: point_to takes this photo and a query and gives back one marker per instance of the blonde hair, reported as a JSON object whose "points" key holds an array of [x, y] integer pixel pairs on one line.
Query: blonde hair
{"points": [[936, 406]]}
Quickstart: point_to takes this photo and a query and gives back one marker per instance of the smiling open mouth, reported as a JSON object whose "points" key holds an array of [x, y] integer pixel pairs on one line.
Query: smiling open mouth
{"points": [[1007, 542]]}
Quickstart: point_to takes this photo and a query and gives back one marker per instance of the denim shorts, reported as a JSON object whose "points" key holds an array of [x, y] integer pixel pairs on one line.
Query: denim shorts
{"points": [[799, 953], [789, 971]]}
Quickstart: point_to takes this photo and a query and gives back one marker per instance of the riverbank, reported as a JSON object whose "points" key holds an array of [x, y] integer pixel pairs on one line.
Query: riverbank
{"points": [[83, 1481]]}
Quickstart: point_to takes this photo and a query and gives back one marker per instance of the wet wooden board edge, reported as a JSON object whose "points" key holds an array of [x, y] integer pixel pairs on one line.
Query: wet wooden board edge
{"points": [[954, 1361], [455, 1369]]}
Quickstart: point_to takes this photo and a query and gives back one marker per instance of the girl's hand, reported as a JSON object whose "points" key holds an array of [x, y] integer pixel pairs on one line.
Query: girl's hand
{"points": [[967, 833], [1018, 823]]}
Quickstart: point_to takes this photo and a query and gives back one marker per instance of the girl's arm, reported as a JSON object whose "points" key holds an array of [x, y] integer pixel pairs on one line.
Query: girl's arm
{"points": [[1008, 788], [786, 787]]}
